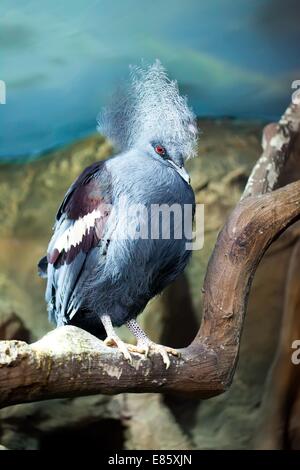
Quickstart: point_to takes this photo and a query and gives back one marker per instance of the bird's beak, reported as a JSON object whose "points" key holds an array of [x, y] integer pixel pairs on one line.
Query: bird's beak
{"points": [[181, 171]]}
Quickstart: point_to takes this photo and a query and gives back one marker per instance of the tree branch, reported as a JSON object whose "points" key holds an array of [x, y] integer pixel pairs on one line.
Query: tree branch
{"points": [[277, 141], [284, 377], [70, 362]]}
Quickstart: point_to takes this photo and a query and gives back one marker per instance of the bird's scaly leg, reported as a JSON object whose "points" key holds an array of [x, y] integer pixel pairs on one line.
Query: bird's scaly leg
{"points": [[113, 339], [145, 345]]}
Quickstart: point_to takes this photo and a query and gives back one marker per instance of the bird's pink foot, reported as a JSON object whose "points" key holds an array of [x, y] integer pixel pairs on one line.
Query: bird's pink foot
{"points": [[137, 349], [116, 342], [146, 346], [150, 347]]}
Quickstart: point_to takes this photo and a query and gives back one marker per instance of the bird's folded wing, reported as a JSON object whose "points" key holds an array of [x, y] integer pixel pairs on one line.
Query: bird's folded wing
{"points": [[80, 225], [82, 216]]}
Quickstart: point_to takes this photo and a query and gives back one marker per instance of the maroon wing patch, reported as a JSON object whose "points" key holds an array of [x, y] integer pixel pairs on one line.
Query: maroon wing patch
{"points": [[86, 206]]}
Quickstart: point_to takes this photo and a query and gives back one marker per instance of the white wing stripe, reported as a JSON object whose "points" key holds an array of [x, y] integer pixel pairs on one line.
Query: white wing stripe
{"points": [[74, 234]]}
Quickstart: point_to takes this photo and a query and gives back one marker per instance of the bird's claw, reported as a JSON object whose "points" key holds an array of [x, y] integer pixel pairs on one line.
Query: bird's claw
{"points": [[163, 351], [142, 348], [115, 341], [138, 349]]}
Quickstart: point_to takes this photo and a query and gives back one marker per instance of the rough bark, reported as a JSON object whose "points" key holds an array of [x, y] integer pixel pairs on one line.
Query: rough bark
{"points": [[70, 362], [277, 142], [280, 413]]}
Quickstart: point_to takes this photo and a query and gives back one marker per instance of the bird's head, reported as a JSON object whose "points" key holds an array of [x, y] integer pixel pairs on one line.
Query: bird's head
{"points": [[151, 115], [169, 155], [166, 151]]}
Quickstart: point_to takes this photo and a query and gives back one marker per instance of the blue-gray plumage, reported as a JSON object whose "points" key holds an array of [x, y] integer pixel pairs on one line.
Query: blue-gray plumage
{"points": [[97, 278]]}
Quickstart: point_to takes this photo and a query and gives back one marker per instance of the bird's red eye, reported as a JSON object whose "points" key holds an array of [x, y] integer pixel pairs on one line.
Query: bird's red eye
{"points": [[160, 150]]}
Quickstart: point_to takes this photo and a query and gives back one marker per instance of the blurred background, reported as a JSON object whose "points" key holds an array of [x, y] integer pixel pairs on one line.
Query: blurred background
{"points": [[61, 61]]}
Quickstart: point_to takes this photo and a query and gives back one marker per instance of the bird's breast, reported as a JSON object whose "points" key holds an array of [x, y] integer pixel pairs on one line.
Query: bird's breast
{"points": [[144, 180]]}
